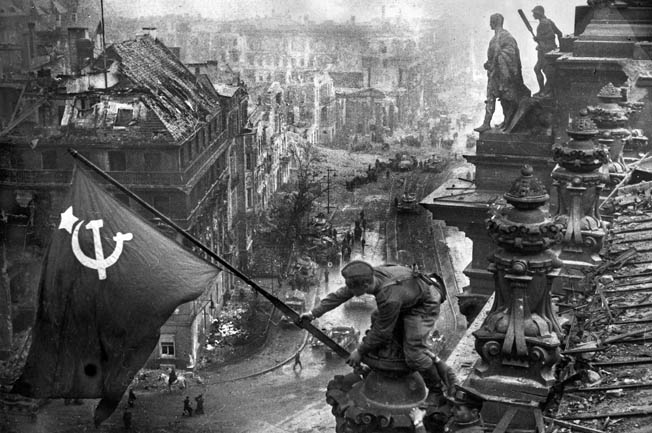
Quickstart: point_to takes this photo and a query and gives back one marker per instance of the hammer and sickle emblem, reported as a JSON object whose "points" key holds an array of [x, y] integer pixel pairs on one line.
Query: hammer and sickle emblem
{"points": [[100, 263]]}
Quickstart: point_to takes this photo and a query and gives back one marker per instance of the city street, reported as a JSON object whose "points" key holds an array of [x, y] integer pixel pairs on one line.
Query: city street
{"points": [[264, 393]]}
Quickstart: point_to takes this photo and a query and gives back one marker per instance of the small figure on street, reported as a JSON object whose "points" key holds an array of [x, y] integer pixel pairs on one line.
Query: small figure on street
{"points": [[172, 378], [546, 42], [404, 299], [357, 232], [187, 409], [387, 174], [126, 418], [395, 202], [504, 76], [362, 244], [297, 361], [326, 272], [199, 408], [362, 215], [363, 223], [132, 398]]}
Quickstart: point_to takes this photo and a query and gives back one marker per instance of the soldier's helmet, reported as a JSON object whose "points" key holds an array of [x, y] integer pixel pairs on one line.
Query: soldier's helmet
{"points": [[357, 272], [539, 10], [465, 397]]}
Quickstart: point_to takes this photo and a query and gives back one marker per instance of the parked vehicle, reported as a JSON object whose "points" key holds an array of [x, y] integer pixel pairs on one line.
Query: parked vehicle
{"points": [[345, 336], [297, 301], [408, 203]]}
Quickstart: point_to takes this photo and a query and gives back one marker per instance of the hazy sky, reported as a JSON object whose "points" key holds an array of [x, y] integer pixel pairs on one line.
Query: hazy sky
{"points": [[560, 10]]}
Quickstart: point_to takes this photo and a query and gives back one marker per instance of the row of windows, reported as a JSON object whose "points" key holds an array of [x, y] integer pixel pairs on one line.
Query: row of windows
{"points": [[117, 161], [201, 140]]}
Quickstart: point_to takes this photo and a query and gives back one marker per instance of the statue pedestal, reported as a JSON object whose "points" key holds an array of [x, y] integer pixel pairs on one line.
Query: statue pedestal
{"points": [[379, 402], [498, 160]]}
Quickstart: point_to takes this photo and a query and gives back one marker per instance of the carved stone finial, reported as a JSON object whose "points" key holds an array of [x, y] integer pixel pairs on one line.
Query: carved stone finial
{"points": [[582, 126], [523, 227], [581, 153], [609, 91], [527, 192]]}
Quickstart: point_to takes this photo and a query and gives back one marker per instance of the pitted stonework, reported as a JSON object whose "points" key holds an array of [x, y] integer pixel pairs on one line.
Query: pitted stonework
{"points": [[518, 342], [581, 154], [524, 227], [611, 116], [578, 181]]}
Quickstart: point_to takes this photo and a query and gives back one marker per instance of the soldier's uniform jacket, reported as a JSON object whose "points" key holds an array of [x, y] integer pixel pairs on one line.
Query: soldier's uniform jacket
{"points": [[400, 293]]}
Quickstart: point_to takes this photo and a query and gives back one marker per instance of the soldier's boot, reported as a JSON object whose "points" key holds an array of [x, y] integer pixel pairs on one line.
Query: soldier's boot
{"points": [[490, 107], [433, 382]]}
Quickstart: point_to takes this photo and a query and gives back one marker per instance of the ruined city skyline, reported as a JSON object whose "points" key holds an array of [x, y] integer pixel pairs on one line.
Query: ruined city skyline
{"points": [[339, 10]]}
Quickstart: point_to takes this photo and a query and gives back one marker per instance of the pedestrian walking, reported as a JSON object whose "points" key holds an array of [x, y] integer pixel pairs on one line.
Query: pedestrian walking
{"points": [[172, 378], [297, 361], [363, 223], [199, 408], [132, 398], [126, 418], [187, 409], [362, 244], [326, 271], [362, 214]]}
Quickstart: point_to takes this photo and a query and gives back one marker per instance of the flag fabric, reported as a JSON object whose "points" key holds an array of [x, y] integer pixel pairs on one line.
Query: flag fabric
{"points": [[109, 281]]}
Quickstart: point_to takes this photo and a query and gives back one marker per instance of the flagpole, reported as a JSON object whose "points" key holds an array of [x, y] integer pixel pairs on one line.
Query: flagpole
{"points": [[273, 299], [106, 85]]}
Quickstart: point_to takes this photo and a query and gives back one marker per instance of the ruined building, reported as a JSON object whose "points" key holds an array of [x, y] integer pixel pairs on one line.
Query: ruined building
{"points": [[176, 140]]}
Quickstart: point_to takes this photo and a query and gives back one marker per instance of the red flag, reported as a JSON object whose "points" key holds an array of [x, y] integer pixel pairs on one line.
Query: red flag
{"points": [[109, 282]]}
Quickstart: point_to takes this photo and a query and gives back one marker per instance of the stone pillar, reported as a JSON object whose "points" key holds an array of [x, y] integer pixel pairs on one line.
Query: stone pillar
{"points": [[611, 115], [579, 181], [518, 342]]}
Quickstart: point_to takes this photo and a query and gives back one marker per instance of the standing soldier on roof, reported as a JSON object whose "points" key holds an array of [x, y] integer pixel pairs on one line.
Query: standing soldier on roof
{"points": [[405, 301], [546, 42]]}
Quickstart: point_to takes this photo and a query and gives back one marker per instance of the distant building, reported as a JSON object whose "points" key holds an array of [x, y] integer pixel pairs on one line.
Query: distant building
{"points": [[173, 139]]}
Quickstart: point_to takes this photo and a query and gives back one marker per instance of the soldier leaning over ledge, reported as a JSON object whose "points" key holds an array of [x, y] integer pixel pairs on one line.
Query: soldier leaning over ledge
{"points": [[403, 299]]}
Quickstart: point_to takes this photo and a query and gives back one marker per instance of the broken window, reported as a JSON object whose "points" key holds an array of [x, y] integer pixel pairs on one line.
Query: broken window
{"points": [[250, 198], [49, 160], [123, 117], [162, 203], [117, 161], [152, 161], [167, 346]]}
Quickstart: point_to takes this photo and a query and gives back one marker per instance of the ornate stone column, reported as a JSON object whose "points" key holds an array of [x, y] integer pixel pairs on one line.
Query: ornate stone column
{"points": [[518, 343], [578, 181], [611, 116]]}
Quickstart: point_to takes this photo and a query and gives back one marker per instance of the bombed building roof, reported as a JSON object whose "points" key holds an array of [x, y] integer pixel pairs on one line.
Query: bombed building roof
{"points": [[171, 90]]}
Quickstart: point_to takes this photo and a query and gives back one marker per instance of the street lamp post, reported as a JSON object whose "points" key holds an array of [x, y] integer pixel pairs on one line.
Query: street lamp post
{"points": [[328, 189]]}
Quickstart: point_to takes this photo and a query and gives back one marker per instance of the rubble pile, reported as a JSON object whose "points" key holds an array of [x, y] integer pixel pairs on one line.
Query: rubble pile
{"points": [[606, 376]]}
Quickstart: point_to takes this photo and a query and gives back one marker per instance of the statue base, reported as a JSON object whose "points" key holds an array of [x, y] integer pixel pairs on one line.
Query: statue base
{"points": [[380, 401]]}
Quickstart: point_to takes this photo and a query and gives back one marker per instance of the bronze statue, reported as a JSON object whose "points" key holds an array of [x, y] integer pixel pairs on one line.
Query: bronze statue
{"points": [[504, 77], [546, 42]]}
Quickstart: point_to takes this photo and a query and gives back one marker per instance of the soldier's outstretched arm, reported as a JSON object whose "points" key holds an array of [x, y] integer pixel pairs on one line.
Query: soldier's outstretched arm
{"points": [[331, 301]]}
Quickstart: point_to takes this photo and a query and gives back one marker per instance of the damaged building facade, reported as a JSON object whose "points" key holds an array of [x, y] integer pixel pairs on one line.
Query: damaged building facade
{"points": [[303, 57], [177, 140]]}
